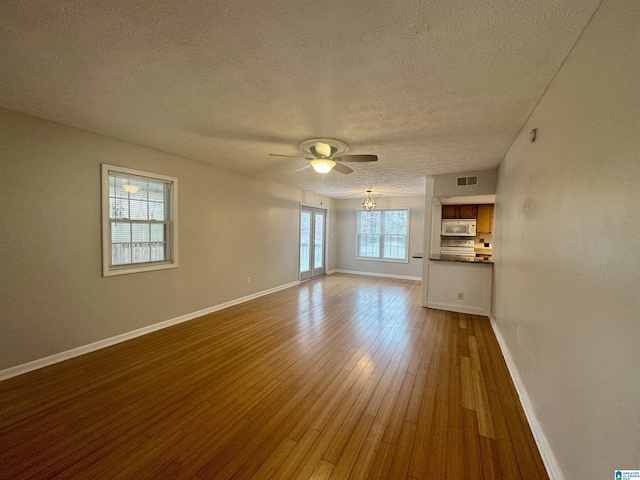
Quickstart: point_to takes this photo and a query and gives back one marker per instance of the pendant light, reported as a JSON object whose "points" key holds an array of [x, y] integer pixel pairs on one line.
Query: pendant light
{"points": [[368, 203]]}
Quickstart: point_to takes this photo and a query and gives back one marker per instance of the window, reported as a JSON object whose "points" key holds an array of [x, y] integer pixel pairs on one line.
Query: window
{"points": [[382, 235], [139, 221]]}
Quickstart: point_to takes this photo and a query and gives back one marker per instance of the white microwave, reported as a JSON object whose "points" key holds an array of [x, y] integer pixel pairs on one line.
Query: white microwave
{"points": [[459, 228]]}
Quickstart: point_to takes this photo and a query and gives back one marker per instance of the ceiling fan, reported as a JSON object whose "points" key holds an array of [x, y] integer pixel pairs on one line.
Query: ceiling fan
{"points": [[328, 154]]}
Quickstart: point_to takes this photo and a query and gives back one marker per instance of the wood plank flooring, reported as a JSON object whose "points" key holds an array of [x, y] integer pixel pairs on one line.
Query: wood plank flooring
{"points": [[341, 377]]}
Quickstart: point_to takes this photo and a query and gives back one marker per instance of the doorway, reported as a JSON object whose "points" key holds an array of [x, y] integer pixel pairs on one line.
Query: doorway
{"points": [[312, 241]]}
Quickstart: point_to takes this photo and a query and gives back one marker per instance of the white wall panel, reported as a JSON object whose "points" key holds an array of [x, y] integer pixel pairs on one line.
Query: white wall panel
{"points": [[448, 279]]}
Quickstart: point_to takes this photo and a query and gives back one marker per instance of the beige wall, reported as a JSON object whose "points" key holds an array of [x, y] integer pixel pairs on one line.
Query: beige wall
{"points": [[52, 295], [345, 212], [567, 251]]}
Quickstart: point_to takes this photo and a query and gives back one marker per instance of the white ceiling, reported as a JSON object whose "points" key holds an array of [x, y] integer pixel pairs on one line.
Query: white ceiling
{"points": [[431, 86]]}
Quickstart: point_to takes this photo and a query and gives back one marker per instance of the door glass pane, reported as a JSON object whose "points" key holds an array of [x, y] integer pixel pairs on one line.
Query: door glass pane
{"points": [[319, 246], [305, 237]]}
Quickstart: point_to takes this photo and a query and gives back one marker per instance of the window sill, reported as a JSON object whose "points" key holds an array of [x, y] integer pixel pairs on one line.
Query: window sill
{"points": [[389, 260], [126, 270]]}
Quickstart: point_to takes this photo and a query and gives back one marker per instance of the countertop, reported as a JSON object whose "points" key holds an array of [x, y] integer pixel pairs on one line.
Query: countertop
{"points": [[458, 258]]}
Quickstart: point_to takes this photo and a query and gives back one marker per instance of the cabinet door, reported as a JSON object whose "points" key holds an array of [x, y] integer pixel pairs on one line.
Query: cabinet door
{"points": [[450, 211], [485, 219], [468, 211]]}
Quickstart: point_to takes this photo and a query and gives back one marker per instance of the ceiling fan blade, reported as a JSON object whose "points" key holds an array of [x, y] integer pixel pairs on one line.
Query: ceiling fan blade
{"points": [[302, 168], [357, 158], [342, 168], [290, 156]]}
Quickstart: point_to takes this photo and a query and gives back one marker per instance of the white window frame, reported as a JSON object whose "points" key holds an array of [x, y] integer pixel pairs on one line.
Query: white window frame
{"points": [[382, 235], [172, 224]]}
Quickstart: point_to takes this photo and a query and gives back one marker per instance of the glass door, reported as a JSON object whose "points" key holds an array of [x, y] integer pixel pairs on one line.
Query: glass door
{"points": [[306, 215], [312, 242], [318, 242]]}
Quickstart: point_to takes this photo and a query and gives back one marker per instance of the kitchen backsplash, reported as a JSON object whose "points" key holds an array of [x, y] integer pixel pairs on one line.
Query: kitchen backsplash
{"points": [[484, 240]]}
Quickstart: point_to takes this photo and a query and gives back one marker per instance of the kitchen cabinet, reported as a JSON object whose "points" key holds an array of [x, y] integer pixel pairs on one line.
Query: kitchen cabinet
{"points": [[482, 213], [459, 212], [484, 220], [451, 211], [468, 211]]}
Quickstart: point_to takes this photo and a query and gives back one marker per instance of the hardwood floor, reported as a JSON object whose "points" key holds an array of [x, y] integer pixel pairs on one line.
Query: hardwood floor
{"points": [[341, 377]]}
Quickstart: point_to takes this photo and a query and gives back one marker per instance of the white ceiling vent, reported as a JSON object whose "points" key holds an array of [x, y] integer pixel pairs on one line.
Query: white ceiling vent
{"points": [[467, 181]]}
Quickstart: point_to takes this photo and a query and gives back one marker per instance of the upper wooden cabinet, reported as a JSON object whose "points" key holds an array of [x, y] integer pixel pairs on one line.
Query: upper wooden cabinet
{"points": [[468, 211], [451, 211], [482, 213], [459, 211], [484, 223]]}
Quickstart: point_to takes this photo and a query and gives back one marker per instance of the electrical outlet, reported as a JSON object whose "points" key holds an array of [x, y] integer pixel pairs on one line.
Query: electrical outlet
{"points": [[248, 280], [460, 295]]}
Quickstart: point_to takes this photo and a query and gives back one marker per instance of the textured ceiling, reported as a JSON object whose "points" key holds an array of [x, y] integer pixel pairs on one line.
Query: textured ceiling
{"points": [[431, 86]]}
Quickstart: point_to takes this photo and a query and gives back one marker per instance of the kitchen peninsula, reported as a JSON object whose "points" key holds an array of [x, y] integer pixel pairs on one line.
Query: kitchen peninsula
{"points": [[460, 284]]}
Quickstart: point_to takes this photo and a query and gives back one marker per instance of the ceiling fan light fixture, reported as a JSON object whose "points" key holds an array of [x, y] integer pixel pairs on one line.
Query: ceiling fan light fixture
{"points": [[323, 149], [329, 147], [130, 188], [322, 165], [368, 203]]}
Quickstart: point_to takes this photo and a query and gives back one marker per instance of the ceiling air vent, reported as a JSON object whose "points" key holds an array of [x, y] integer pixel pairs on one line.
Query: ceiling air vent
{"points": [[467, 181]]}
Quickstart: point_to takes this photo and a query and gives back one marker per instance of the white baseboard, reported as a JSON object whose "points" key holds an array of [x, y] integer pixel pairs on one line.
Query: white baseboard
{"points": [[76, 352], [549, 459], [372, 274]]}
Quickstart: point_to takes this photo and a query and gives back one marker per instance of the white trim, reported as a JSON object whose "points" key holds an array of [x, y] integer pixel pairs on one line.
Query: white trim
{"points": [[549, 459], [312, 205], [372, 274], [92, 347], [386, 260]]}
